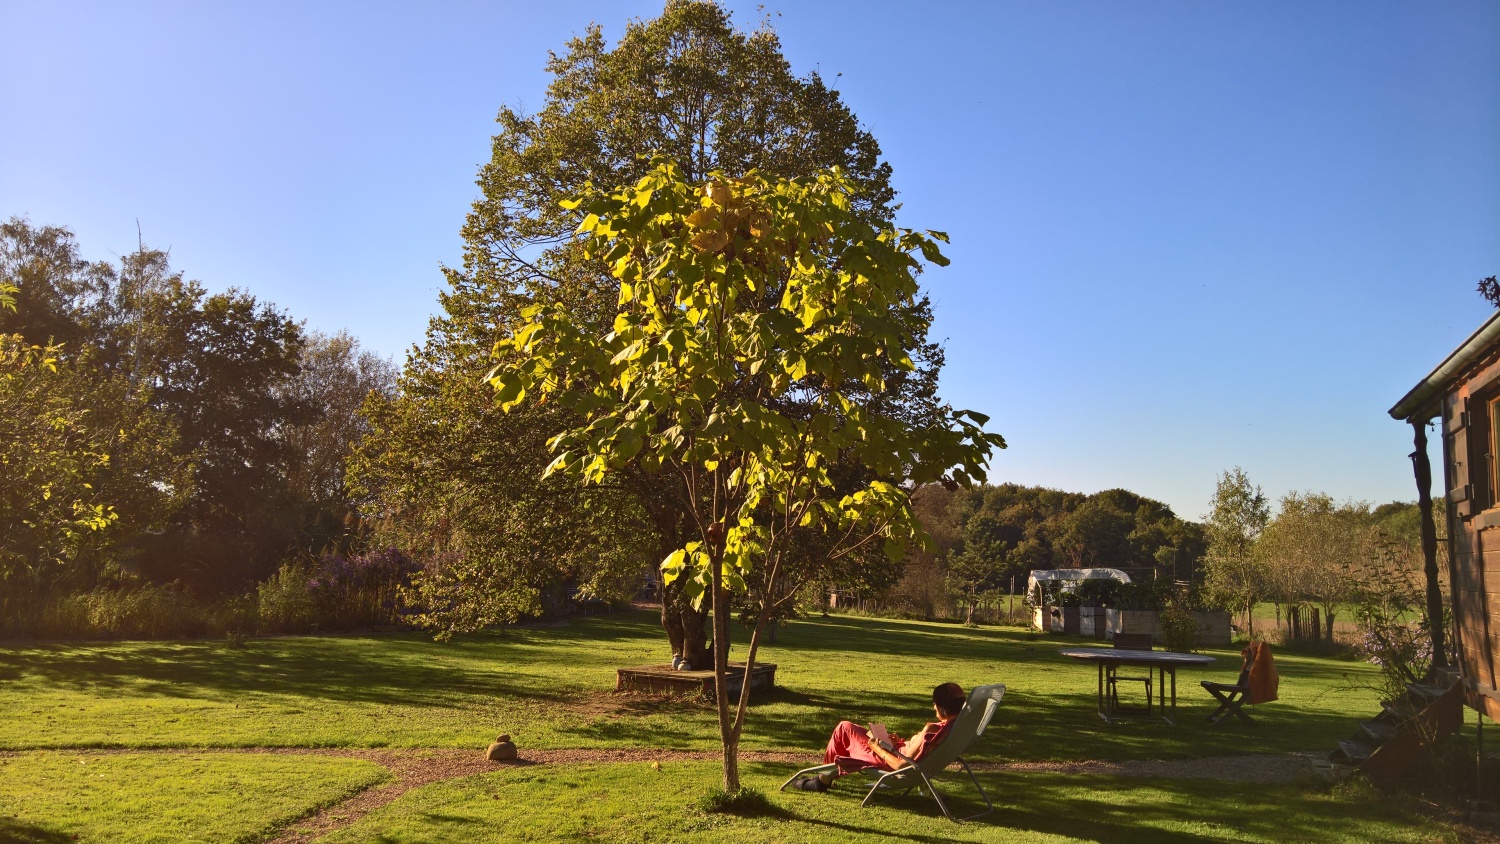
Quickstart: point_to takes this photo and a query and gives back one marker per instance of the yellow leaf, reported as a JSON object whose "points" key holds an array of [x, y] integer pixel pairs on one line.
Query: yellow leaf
{"points": [[708, 241]]}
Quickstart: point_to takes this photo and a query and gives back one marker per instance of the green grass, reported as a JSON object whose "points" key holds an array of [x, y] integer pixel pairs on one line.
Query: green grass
{"points": [[549, 688], [633, 802], [177, 797]]}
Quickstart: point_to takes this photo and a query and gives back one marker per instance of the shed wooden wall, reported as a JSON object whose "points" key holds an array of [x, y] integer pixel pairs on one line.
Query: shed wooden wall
{"points": [[1473, 550]]}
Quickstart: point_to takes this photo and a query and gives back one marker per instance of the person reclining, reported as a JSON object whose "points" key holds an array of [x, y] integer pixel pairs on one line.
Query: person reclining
{"points": [[852, 748]]}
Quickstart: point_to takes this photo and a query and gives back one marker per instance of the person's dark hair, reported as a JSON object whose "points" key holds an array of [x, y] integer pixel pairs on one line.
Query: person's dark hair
{"points": [[949, 698]]}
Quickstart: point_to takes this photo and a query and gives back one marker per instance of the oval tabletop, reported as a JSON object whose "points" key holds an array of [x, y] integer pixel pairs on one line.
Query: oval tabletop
{"points": [[1128, 655]]}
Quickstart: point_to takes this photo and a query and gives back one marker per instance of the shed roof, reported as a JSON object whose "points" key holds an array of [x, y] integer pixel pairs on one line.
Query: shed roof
{"points": [[1421, 402]]}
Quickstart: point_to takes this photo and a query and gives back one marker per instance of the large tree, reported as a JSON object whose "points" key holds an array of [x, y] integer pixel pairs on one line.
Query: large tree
{"points": [[688, 84], [223, 370], [1314, 551], [1232, 571], [746, 363]]}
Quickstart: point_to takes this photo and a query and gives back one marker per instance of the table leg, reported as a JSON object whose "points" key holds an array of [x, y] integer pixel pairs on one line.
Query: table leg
{"points": [[1103, 713], [1173, 719]]}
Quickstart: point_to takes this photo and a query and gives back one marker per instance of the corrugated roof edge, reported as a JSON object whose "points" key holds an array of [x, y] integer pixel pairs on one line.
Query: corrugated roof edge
{"points": [[1421, 398]]}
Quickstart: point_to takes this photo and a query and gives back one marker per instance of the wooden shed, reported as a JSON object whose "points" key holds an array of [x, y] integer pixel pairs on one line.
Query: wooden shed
{"points": [[1462, 395]]}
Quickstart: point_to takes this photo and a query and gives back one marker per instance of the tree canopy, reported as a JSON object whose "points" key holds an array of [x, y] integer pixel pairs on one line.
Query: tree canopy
{"points": [[206, 416], [690, 85]]}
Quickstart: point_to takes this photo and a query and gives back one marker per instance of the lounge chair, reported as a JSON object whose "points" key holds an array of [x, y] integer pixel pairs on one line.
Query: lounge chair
{"points": [[967, 727]]}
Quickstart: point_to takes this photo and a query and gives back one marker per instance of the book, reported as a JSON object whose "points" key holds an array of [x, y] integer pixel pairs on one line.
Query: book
{"points": [[879, 735]]}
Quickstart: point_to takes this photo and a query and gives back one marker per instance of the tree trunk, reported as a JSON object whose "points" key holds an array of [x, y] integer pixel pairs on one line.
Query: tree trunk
{"points": [[1423, 469], [685, 627], [1314, 628], [727, 737]]}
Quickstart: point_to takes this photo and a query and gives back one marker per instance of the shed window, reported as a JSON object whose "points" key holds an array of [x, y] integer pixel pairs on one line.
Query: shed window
{"points": [[1484, 445], [1491, 465]]}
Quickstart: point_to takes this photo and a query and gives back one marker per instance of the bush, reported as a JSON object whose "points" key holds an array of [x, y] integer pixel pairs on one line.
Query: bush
{"points": [[1179, 627], [1389, 596], [1099, 592], [1149, 595], [285, 603]]}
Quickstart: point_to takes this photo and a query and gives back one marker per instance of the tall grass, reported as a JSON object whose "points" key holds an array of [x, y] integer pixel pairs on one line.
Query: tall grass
{"points": [[335, 593]]}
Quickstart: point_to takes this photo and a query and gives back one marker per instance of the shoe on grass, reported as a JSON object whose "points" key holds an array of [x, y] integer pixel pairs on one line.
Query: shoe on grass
{"points": [[817, 783]]}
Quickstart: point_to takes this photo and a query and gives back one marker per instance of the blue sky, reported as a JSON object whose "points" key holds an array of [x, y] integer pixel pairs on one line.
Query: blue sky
{"points": [[1187, 235]]}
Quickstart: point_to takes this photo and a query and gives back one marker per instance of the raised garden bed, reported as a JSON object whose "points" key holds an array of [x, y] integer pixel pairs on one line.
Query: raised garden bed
{"points": [[663, 680]]}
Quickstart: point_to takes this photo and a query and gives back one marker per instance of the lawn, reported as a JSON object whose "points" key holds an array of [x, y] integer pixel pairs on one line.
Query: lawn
{"points": [[211, 797], [634, 802], [550, 687]]}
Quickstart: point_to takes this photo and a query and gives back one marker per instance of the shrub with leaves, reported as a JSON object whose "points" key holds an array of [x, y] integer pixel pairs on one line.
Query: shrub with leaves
{"points": [[139, 612], [1179, 626], [286, 602], [1391, 600]]}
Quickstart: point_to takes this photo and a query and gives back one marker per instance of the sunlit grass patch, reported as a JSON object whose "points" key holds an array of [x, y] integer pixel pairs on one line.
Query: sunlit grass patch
{"points": [[210, 797]]}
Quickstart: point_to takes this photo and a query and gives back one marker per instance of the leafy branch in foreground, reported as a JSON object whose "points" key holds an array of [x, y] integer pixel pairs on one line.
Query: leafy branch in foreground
{"points": [[757, 321]]}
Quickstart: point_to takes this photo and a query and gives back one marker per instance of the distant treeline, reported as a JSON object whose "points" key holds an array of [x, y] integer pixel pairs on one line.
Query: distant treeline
{"points": [[152, 431], [987, 537]]}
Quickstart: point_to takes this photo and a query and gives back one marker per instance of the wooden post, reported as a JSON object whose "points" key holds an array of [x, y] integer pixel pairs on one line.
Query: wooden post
{"points": [[1423, 468]]}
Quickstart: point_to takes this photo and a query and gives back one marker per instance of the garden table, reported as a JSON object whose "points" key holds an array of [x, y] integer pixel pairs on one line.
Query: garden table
{"points": [[1161, 662]]}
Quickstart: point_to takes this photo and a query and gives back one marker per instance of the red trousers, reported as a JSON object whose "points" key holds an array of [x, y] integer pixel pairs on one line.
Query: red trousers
{"points": [[851, 741]]}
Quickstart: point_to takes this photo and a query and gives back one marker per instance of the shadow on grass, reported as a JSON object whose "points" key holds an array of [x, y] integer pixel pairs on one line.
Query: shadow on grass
{"points": [[13, 831], [308, 668], [1096, 808], [406, 669]]}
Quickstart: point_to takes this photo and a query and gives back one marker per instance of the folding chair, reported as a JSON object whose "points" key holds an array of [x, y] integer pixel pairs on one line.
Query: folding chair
{"points": [[919, 774], [1133, 642], [1232, 698]]}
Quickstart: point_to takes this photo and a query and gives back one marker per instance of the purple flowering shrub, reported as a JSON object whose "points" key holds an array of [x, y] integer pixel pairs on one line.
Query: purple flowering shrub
{"points": [[361, 590], [336, 593]]}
